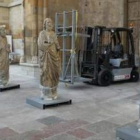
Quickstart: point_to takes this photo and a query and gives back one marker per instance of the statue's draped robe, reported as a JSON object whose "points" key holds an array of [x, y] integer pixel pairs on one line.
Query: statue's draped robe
{"points": [[4, 61], [50, 64]]}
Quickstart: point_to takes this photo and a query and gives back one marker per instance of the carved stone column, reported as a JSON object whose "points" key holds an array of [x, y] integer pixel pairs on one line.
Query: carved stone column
{"points": [[23, 58], [31, 31], [34, 28], [45, 6], [40, 15]]}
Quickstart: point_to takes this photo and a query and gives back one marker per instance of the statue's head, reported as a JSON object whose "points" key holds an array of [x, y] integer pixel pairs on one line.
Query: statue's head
{"points": [[2, 31], [48, 24]]}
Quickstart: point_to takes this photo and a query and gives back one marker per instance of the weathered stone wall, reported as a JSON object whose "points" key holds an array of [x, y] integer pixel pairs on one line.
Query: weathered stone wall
{"points": [[16, 22], [102, 12], [91, 12], [11, 15], [4, 13], [35, 11], [4, 17], [60, 6], [5, 1]]}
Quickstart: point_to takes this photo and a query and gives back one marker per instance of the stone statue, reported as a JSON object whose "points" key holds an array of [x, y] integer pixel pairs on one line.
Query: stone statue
{"points": [[50, 63], [4, 58]]}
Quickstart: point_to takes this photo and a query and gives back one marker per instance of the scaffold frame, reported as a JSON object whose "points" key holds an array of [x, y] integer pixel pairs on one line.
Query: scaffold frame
{"points": [[71, 63]]}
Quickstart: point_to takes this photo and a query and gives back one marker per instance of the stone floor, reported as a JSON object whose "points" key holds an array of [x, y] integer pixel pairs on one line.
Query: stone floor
{"points": [[94, 115]]}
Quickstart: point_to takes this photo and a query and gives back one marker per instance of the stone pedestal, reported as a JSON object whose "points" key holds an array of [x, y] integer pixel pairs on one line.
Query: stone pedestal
{"points": [[22, 59], [43, 104], [31, 70], [128, 132], [9, 87]]}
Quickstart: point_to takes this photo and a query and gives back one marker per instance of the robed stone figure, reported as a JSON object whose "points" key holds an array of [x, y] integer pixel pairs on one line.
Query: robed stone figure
{"points": [[4, 58], [50, 64]]}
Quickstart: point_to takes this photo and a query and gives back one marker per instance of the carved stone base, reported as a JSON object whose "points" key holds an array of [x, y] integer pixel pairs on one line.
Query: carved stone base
{"points": [[43, 104], [31, 70], [22, 59], [34, 60]]}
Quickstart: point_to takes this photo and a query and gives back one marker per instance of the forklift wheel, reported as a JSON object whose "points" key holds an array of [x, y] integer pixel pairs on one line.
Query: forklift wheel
{"points": [[104, 78], [134, 76]]}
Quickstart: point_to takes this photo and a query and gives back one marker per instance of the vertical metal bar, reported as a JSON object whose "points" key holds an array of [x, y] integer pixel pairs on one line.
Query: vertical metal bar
{"points": [[139, 110], [56, 22], [73, 45], [64, 46], [138, 30], [85, 44], [137, 34]]}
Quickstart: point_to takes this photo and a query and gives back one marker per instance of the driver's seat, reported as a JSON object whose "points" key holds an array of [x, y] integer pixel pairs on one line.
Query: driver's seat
{"points": [[117, 59], [117, 51]]}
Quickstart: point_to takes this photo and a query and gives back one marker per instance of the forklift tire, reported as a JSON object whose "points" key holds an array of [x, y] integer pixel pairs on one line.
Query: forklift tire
{"points": [[104, 78], [134, 76]]}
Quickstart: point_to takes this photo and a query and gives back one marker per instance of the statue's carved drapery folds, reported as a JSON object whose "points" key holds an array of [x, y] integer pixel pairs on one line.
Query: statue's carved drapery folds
{"points": [[50, 63], [4, 58]]}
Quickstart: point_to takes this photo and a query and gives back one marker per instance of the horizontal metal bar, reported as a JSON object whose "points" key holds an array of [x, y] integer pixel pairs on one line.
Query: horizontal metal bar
{"points": [[64, 27], [66, 12], [63, 34], [83, 35], [77, 79], [70, 34], [65, 50], [65, 81]]}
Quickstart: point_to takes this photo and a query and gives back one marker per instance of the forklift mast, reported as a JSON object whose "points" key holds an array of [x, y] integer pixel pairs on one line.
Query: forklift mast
{"points": [[91, 52]]}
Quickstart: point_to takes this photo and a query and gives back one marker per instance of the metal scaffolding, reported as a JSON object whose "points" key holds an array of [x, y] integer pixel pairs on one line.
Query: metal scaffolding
{"points": [[68, 29]]}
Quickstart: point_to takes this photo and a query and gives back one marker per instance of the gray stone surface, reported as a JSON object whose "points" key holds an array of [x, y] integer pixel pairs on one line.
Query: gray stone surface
{"points": [[50, 120], [101, 126], [26, 127], [128, 132], [107, 135], [123, 119], [62, 137], [99, 106]]}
